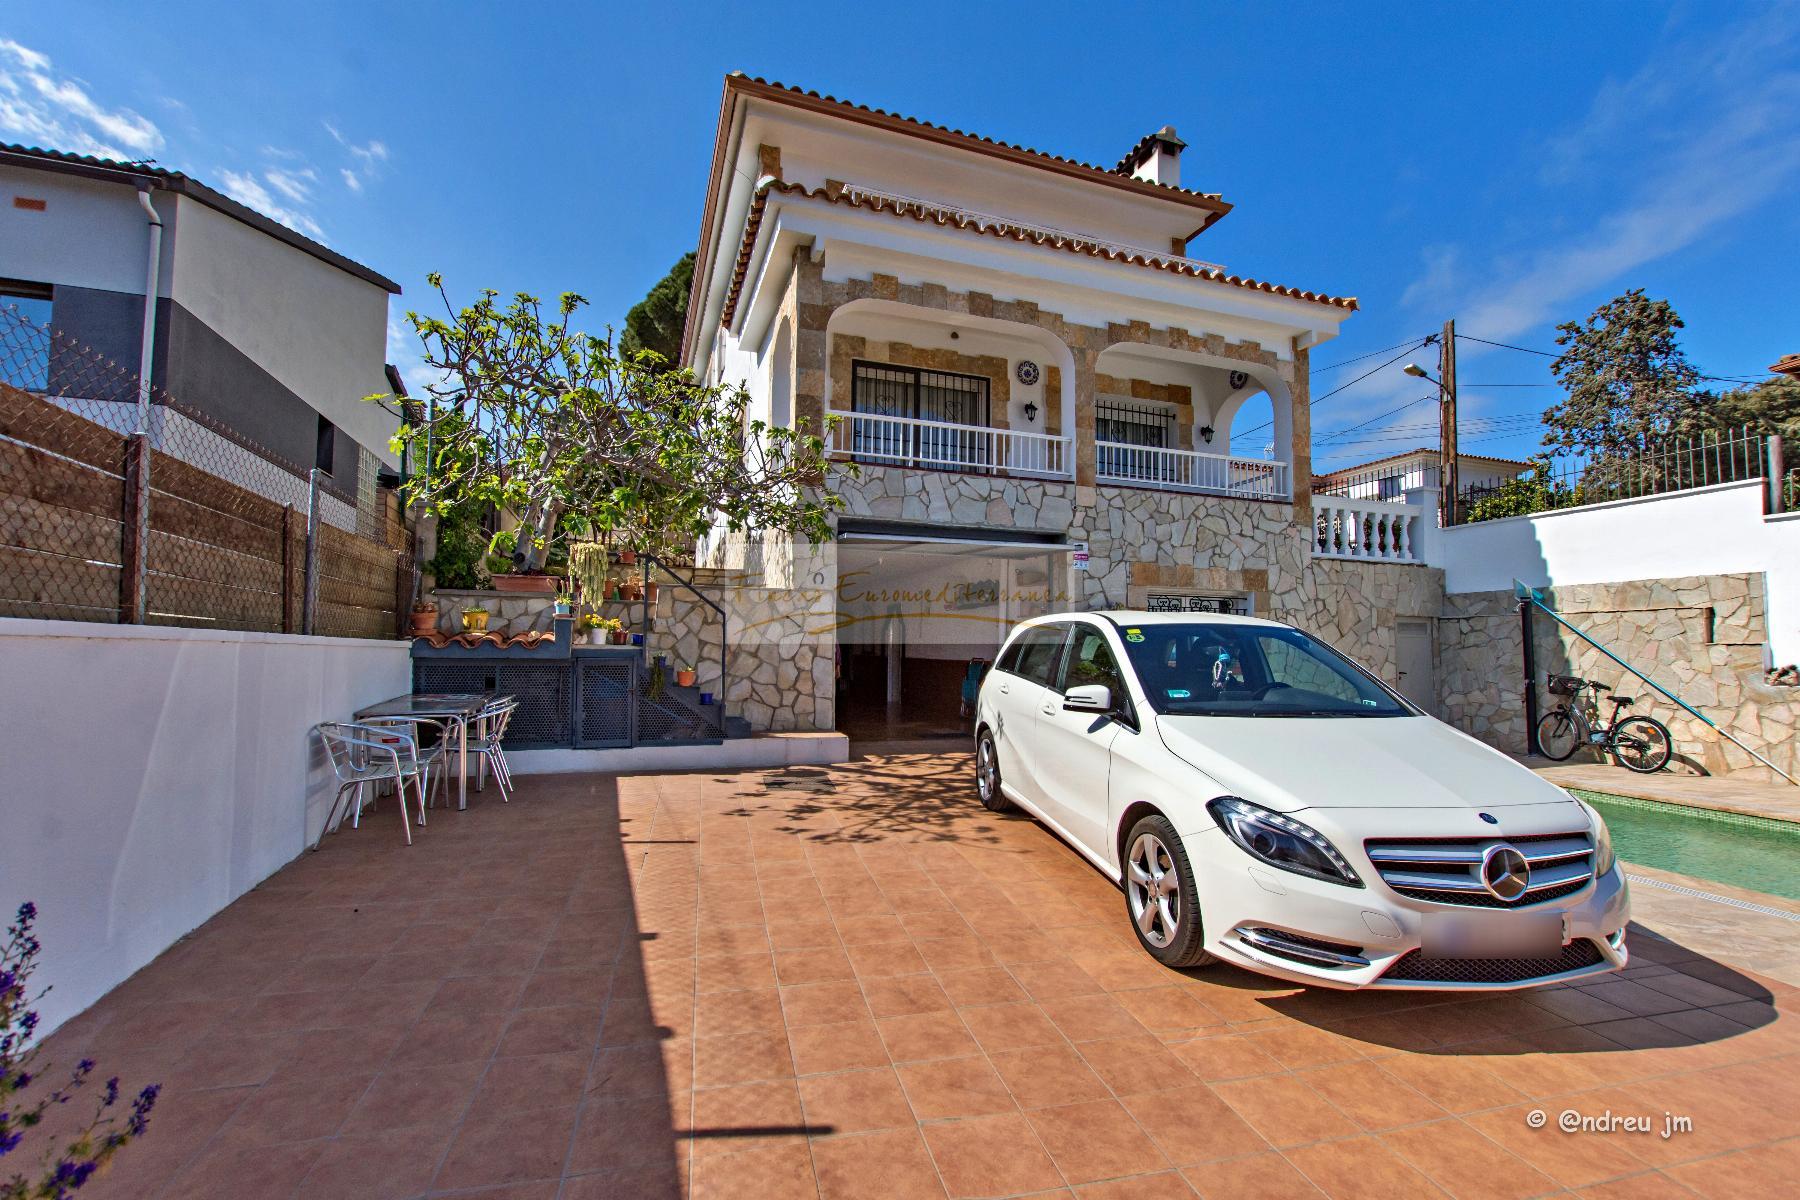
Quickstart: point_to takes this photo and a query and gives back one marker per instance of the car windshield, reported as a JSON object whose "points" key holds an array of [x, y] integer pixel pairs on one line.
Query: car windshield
{"points": [[1217, 669]]}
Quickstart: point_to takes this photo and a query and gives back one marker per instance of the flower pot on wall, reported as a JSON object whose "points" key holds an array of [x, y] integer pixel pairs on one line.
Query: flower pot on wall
{"points": [[531, 585], [424, 621], [652, 591], [475, 620], [596, 637], [684, 677], [627, 558]]}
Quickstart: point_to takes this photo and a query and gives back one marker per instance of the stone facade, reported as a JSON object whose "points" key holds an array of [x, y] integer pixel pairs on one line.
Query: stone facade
{"points": [[1702, 637]]}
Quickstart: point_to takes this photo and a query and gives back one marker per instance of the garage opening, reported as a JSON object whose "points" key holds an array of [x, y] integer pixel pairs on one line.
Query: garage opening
{"points": [[920, 616]]}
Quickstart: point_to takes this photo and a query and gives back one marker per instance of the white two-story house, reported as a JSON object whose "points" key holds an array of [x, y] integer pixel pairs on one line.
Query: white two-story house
{"points": [[1036, 373]]}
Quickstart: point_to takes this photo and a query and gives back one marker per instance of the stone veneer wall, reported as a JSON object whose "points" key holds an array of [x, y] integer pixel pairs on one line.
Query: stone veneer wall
{"points": [[1702, 637]]}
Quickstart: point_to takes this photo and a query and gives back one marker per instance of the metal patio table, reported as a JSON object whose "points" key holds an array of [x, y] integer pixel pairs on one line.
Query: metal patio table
{"points": [[460, 707]]}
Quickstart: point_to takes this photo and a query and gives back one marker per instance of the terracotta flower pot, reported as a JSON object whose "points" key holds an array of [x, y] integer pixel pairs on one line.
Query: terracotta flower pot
{"points": [[424, 623], [528, 584], [684, 678], [651, 591], [620, 637], [627, 557], [474, 621]]}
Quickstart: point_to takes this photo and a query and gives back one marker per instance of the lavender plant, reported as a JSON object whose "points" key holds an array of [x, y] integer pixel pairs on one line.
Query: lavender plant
{"points": [[62, 1168]]}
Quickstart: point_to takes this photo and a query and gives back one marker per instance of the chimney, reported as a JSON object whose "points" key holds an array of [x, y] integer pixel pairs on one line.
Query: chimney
{"points": [[1159, 160]]}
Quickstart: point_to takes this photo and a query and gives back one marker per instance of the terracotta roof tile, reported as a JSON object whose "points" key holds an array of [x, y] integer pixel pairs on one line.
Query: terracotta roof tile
{"points": [[1787, 365], [973, 137], [440, 639], [945, 218], [1139, 152]]}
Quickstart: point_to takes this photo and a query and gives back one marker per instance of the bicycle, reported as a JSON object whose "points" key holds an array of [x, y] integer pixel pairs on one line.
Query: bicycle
{"points": [[1639, 744]]}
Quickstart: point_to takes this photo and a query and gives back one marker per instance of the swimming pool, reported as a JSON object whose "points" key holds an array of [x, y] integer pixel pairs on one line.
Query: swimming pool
{"points": [[1748, 852]]}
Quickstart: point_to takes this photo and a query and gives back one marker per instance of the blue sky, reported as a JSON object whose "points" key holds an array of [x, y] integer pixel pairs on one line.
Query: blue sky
{"points": [[1510, 165]]}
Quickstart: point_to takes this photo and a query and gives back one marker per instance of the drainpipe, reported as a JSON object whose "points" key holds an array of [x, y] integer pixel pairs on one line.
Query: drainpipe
{"points": [[147, 352]]}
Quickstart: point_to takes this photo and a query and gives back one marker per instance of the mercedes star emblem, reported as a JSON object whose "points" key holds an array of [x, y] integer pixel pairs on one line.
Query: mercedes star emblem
{"points": [[1505, 873]]}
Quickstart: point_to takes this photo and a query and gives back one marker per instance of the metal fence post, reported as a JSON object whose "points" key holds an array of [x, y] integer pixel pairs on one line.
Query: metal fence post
{"points": [[134, 529], [309, 595], [1777, 475]]}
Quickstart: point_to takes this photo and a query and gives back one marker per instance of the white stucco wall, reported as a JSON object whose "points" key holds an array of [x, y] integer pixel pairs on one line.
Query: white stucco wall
{"points": [[1709, 531], [90, 234], [151, 776]]}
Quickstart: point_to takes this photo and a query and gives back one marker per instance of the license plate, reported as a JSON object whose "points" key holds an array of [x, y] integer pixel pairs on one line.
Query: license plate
{"points": [[1493, 935]]}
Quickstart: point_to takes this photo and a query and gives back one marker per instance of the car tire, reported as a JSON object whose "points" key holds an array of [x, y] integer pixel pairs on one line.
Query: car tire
{"points": [[1154, 854], [987, 775]]}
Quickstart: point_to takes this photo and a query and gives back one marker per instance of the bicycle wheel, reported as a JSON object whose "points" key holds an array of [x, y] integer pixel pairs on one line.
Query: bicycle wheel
{"points": [[1642, 744], [1556, 735]]}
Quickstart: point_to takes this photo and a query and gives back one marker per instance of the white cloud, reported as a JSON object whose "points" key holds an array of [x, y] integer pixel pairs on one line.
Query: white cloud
{"points": [[41, 106], [1685, 146], [367, 159], [296, 185], [351, 179], [248, 189]]}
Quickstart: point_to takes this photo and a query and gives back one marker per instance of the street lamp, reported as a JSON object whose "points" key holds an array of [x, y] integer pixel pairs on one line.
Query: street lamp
{"points": [[1417, 372]]}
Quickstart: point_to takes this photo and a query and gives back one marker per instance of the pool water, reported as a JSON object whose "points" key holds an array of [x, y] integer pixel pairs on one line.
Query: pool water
{"points": [[1747, 852]]}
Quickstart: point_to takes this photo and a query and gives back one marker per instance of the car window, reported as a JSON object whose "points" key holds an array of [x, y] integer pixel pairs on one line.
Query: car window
{"points": [[1009, 657], [1040, 650], [1286, 663], [1091, 661], [1245, 670]]}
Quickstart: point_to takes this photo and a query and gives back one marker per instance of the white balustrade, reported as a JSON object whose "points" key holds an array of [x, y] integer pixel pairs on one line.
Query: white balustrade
{"points": [[1367, 529], [1190, 471], [946, 445]]}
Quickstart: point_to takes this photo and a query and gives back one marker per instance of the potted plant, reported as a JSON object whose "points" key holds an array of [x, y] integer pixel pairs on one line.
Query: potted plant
{"points": [[628, 591], [627, 558], [684, 676], [620, 635], [507, 578], [424, 618], [475, 619], [652, 590], [565, 604], [611, 592], [592, 627], [659, 678]]}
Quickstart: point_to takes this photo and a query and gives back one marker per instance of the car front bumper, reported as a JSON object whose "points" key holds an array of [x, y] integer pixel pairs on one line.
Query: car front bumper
{"points": [[1309, 931]]}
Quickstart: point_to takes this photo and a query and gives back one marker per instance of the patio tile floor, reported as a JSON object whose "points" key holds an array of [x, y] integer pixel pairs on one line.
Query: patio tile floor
{"points": [[855, 982]]}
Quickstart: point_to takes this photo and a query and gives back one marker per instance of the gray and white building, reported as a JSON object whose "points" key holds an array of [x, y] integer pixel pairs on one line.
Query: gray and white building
{"points": [[270, 336]]}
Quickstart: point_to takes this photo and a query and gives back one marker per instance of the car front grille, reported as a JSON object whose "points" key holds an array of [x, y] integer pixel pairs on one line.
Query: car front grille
{"points": [[1414, 967], [1448, 870]]}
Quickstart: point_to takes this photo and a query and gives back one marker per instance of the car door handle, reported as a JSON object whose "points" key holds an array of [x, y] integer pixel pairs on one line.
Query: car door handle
{"points": [[1005, 689], [1049, 708]]}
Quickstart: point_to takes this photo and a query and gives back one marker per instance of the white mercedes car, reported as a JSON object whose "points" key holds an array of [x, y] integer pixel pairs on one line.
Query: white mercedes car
{"points": [[1265, 801]]}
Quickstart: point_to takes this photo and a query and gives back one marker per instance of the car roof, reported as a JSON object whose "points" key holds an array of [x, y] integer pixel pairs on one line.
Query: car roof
{"points": [[1139, 616]]}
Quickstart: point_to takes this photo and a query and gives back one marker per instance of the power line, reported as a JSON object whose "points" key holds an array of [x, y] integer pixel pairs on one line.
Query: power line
{"points": [[1426, 337], [1335, 433], [1409, 348], [1548, 354]]}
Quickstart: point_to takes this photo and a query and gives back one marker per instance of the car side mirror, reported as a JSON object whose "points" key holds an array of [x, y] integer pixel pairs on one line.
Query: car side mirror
{"points": [[1089, 697]]}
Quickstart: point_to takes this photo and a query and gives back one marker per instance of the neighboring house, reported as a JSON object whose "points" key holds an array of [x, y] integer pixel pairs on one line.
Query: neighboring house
{"points": [[1037, 382], [1392, 477], [272, 338]]}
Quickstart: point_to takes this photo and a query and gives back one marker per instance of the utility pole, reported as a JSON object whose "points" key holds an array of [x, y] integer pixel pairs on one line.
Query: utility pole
{"points": [[1447, 474]]}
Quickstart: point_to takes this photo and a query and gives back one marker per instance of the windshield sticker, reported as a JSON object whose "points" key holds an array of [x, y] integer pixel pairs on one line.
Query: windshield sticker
{"points": [[1178, 694], [1134, 635]]}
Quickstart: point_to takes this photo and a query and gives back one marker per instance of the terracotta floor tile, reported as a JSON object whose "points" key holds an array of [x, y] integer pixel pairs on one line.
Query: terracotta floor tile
{"points": [[889, 1165], [1759, 1171], [778, 1172], [1167, 1008], [1093, 1018], [1284, 1110], [823, 1004], [845, 1046], [1457, 1084], [748, 1114], [1370, 1096], [921, 1037], [1360, 1168], [903, 995], [1054, 979], [649, 1069], [533, 1081], [1095, 1141], [297, 1111], [821, 965], [736, 972], [409, 1097], [742, 1058], [498, 1148], [944, 955], [802, 935], [1573, 1162], [550, 1030], [982, 985], [1162, 1185], [722, 1014], [1003, 1027], [1467, 1165], [614, 1134], [1227, 1056], [1133, 1065], [1048, 1076], [854, 1102], [245, 1172], [1652, 1185], [990, 1156], [381, 1166], [1266, 1176], [450, 1038], [958, 1087], [1297, 1046], [1192, 1125]]}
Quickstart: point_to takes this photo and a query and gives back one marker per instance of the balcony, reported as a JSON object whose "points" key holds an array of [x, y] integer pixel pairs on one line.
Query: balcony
{"points": [[1171, 470], [948, 446]]}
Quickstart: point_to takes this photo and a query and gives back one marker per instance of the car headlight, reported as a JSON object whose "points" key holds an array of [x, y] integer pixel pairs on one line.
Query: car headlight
{"points": [[1604, 858], [1281, 841]]}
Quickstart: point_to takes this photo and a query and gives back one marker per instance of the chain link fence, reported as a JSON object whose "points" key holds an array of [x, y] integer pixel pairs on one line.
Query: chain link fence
{"points": [[119, 503]]}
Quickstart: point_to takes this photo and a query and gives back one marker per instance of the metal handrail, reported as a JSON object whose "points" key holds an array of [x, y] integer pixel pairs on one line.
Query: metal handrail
{"points": [[1273, 483], [1535, 597], [1051, 452]]}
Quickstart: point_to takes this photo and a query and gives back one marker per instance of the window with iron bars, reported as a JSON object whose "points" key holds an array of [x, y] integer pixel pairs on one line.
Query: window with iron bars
{"points": [[880, 390], [1121, 423]]}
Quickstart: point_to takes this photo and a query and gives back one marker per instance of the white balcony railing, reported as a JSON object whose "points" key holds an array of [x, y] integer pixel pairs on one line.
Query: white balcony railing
{"points": [[945, 445], [1367, 529], [1191, 471]]}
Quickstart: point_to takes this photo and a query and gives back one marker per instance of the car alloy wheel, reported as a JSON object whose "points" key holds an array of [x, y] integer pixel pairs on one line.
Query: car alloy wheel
{"points": [[987, 775], [1154, 886], [1160, 895]]}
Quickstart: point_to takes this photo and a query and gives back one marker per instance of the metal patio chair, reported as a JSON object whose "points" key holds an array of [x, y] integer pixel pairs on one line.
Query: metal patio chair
{"points": [[484, 743], [436, 752], [367, 756]]}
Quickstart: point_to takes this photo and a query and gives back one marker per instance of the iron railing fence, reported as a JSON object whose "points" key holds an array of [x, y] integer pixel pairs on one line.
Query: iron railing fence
{"points": [[121, 503], [1654, 467]]}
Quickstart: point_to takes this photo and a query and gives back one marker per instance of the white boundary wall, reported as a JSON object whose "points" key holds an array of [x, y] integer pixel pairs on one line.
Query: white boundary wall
{"points": [[1709, 531], [150, 776]]}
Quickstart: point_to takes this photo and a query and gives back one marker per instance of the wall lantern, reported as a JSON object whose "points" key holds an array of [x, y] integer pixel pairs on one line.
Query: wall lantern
{"points": [[1030, 412], [1206, 432]]}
